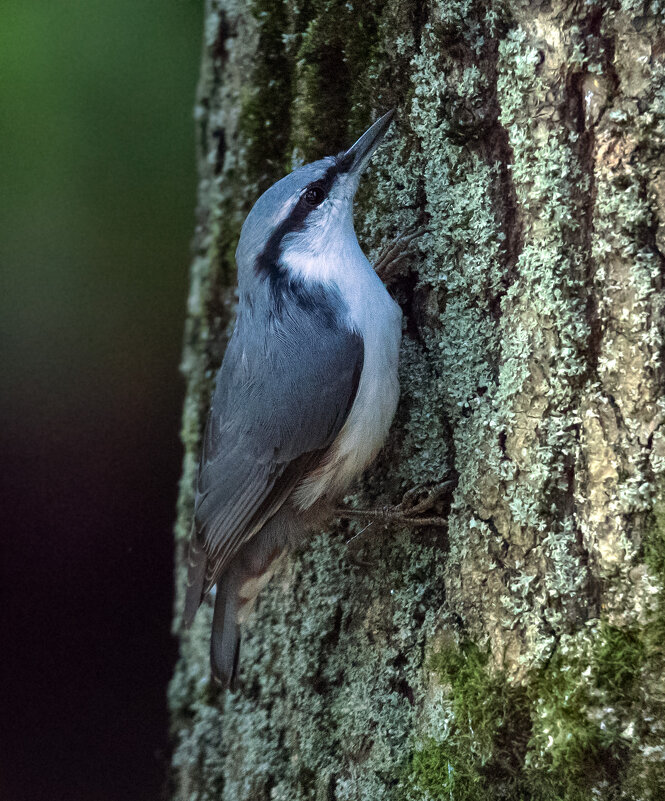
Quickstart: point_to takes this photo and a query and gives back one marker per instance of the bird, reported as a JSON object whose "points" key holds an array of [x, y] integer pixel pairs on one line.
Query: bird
{"points": [[305, 395]]}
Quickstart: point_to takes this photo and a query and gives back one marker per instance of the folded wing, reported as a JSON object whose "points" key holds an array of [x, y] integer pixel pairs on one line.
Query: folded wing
{"points": [[281, 399]]}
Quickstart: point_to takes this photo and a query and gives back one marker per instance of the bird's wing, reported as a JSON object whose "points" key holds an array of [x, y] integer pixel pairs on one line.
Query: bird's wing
{"points": [[279, 404]]}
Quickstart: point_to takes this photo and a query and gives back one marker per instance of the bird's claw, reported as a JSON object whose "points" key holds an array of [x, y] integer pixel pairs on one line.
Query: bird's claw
{"points": [[396, 252], [409, 512]]}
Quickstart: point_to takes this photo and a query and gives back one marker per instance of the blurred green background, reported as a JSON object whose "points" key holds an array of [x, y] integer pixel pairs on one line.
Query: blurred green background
{"points": [[97, 194], [97, 184]]}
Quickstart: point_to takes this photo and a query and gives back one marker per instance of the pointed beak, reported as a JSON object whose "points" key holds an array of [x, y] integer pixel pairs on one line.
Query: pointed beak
{"points": [[357, 157]]}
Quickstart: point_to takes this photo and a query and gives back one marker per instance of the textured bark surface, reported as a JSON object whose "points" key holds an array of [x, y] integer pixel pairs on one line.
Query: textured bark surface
{"points": [[519, 653]]}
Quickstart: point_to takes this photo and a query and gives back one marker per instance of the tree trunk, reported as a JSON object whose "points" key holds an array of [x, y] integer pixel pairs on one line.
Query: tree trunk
{"points": [[518, 653]]}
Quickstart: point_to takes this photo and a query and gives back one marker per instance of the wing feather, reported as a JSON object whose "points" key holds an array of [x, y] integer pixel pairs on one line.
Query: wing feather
{"points": [[281, 399]]}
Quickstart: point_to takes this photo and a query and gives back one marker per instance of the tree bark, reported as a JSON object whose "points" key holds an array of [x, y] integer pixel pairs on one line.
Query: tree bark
{"points": [[519, 652]]}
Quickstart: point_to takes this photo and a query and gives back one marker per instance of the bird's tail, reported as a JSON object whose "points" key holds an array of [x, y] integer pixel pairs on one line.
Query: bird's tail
{"points": [[196, 572], [225, 637]]}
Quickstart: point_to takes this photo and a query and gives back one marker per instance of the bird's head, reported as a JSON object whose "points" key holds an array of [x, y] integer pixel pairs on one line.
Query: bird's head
{"points": [[303, 224]]}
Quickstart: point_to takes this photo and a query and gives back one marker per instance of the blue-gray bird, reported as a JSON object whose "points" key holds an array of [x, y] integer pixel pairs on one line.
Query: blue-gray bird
{"points": [[306, 392]]}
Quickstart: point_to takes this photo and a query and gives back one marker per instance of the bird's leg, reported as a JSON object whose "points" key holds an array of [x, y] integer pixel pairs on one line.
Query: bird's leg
{"points": [[395, 253], [409, 512]]}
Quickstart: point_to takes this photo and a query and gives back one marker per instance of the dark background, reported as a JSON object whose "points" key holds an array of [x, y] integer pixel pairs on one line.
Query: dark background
{"points": [[97, 188]]}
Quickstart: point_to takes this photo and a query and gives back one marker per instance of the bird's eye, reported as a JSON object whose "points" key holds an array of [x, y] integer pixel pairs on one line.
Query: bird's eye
{"points": [[314, 196]]}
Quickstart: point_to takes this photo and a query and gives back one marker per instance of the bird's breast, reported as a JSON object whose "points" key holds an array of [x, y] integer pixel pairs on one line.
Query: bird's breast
{"points": [[378, 320]]}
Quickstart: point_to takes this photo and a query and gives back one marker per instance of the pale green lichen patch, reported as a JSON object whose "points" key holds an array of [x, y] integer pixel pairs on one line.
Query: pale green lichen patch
{"points": [[518, 434], [336, 675], [460, 272], [425, 433], [622, 418]]}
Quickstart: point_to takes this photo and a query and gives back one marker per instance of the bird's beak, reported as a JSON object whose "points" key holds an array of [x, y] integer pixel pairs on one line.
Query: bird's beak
{"points": [[357, 157]]}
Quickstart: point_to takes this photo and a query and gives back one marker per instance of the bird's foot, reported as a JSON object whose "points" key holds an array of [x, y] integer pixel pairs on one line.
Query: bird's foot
{"points": [[409, 512], [395, 253]]}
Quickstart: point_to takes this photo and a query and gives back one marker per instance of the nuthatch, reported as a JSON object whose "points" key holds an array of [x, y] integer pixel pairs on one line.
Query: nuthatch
{"points": [[306, 392]]}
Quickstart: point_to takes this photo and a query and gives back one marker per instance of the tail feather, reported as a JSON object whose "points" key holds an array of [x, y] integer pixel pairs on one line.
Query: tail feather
{"points": [[225, 637], [195, 579]]}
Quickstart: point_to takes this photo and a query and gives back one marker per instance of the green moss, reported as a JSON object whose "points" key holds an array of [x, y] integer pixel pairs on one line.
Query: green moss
{"points": [[563, 732], [579, 700], [265, 103], [226, 236], [337, 65], [654, 541], [618, 657], [316, 65], [645, 776], [488, 703], [485, 742], [443, 773]]}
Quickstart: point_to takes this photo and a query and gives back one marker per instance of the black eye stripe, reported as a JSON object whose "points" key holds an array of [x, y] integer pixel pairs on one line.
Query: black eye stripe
{"points": [[267, 262]]}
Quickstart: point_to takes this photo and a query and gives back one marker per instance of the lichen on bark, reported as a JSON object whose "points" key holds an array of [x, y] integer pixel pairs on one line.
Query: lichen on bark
{"points": [[518, 653]]}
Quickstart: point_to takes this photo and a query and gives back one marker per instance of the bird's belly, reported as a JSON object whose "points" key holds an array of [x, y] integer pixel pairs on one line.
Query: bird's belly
{"points": [[364, 432]]}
